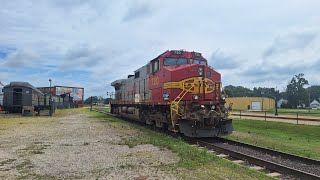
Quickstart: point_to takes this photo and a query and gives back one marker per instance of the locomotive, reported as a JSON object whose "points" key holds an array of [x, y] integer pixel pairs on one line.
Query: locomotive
{"points": [[177, 91]]}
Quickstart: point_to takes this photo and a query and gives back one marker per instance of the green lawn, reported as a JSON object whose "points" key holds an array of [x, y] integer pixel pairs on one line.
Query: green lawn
{"points": [[101, 108], [302, 140], [194, 163]]}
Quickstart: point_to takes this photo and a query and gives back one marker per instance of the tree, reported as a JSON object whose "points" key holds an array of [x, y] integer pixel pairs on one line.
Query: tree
{"points": [[314, 92], [106, 101], [297, 94], [237, 91], [266, 92], [94, 100]]}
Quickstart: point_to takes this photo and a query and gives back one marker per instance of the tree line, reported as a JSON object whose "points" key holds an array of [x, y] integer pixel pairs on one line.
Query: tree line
{"points": [[296, 92], [97, 99]]}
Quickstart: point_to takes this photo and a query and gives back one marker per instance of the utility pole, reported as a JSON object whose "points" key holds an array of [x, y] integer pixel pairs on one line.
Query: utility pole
{"points": [[91, 103]]}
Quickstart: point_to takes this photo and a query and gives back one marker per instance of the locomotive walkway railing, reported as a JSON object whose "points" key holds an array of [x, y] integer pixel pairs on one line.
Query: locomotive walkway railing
{"points": [[174, 106]]}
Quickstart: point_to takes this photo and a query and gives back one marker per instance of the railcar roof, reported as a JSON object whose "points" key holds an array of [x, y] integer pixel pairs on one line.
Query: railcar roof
{"points": [[117, 82], [22, 84]]}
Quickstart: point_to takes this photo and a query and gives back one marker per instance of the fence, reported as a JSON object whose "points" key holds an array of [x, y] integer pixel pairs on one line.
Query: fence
{"points": [[290, 116]]}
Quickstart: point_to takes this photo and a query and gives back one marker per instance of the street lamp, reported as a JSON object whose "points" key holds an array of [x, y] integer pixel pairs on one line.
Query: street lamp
{"points": [[50, 99], [309, 101]]}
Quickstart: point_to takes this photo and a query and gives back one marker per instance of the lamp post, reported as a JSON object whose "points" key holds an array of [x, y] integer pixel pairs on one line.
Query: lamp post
{"points": [[262, 93], [309, 102], [50, 99]]}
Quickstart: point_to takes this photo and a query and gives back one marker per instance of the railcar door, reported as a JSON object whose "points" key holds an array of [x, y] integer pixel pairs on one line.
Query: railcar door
{"points": [[17, 96]]}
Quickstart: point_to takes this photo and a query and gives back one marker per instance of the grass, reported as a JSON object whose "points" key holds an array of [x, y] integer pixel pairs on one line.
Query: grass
{"points": [[101, 108], [302, 140], [193, 163]]}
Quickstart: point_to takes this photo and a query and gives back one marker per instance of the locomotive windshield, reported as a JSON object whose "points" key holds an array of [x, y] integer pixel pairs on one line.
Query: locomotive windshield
{"points": [[198, 61], [175, 61]]}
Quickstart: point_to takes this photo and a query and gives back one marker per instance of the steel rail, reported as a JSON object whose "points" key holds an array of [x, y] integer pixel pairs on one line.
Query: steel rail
{"points": [[272, 152], [255, 160]]}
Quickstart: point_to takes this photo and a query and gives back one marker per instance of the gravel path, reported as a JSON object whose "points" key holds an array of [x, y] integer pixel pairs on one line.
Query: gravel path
{"points": [[77, 147]]}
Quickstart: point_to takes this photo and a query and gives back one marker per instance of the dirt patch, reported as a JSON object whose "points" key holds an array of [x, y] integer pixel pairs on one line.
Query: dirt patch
{"points": [[77, 146]]}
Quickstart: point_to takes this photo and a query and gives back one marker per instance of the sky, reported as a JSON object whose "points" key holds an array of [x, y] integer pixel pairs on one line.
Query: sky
{"points": [[90, 43]]}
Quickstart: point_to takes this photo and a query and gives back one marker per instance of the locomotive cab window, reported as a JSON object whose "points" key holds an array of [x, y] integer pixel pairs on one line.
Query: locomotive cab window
{"points": [[198, 61], [137, 75], [175, 61]]}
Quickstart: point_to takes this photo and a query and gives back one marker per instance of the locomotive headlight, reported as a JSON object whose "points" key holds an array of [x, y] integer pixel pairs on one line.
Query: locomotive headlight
{"points": [[196, 97], [200, 71], [213, 107], [223, 97]]}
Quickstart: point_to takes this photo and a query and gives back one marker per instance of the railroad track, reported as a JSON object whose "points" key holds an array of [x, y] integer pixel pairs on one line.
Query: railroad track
{"points": [[283, 163]]}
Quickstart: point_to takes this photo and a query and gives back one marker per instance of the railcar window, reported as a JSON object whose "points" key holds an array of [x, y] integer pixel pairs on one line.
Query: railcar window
{"points": [[148, 69], [137, 74], [198, 61], [175, 61]]}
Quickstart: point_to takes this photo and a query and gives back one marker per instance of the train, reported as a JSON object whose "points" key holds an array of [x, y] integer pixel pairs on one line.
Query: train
{"points": [[19, 97], [177, 91]]}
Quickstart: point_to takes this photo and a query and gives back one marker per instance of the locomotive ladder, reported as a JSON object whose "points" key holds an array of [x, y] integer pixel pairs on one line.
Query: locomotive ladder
{"points": [[174, 106]]}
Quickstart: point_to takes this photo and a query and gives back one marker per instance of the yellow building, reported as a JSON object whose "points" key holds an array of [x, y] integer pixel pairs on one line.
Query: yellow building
{"points": [[251, 103]]}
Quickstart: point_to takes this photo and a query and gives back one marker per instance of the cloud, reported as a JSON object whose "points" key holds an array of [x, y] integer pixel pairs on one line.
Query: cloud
{"points": [[82, 56], [5, 51], [137, 10], [293, 41], [21, 58], [222, 60], [89, 43]]}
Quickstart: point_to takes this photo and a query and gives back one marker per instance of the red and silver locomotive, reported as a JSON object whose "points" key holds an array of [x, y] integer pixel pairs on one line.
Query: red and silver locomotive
{"points": [[177, 90]]}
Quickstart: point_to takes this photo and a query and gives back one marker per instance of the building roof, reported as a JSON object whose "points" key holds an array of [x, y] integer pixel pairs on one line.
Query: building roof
{"points": [[282, 100], [22, 84], [314, 102]]}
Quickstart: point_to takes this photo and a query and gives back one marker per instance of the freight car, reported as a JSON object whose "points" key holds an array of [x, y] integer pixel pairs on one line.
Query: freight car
{"points": [[178, 91]]}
